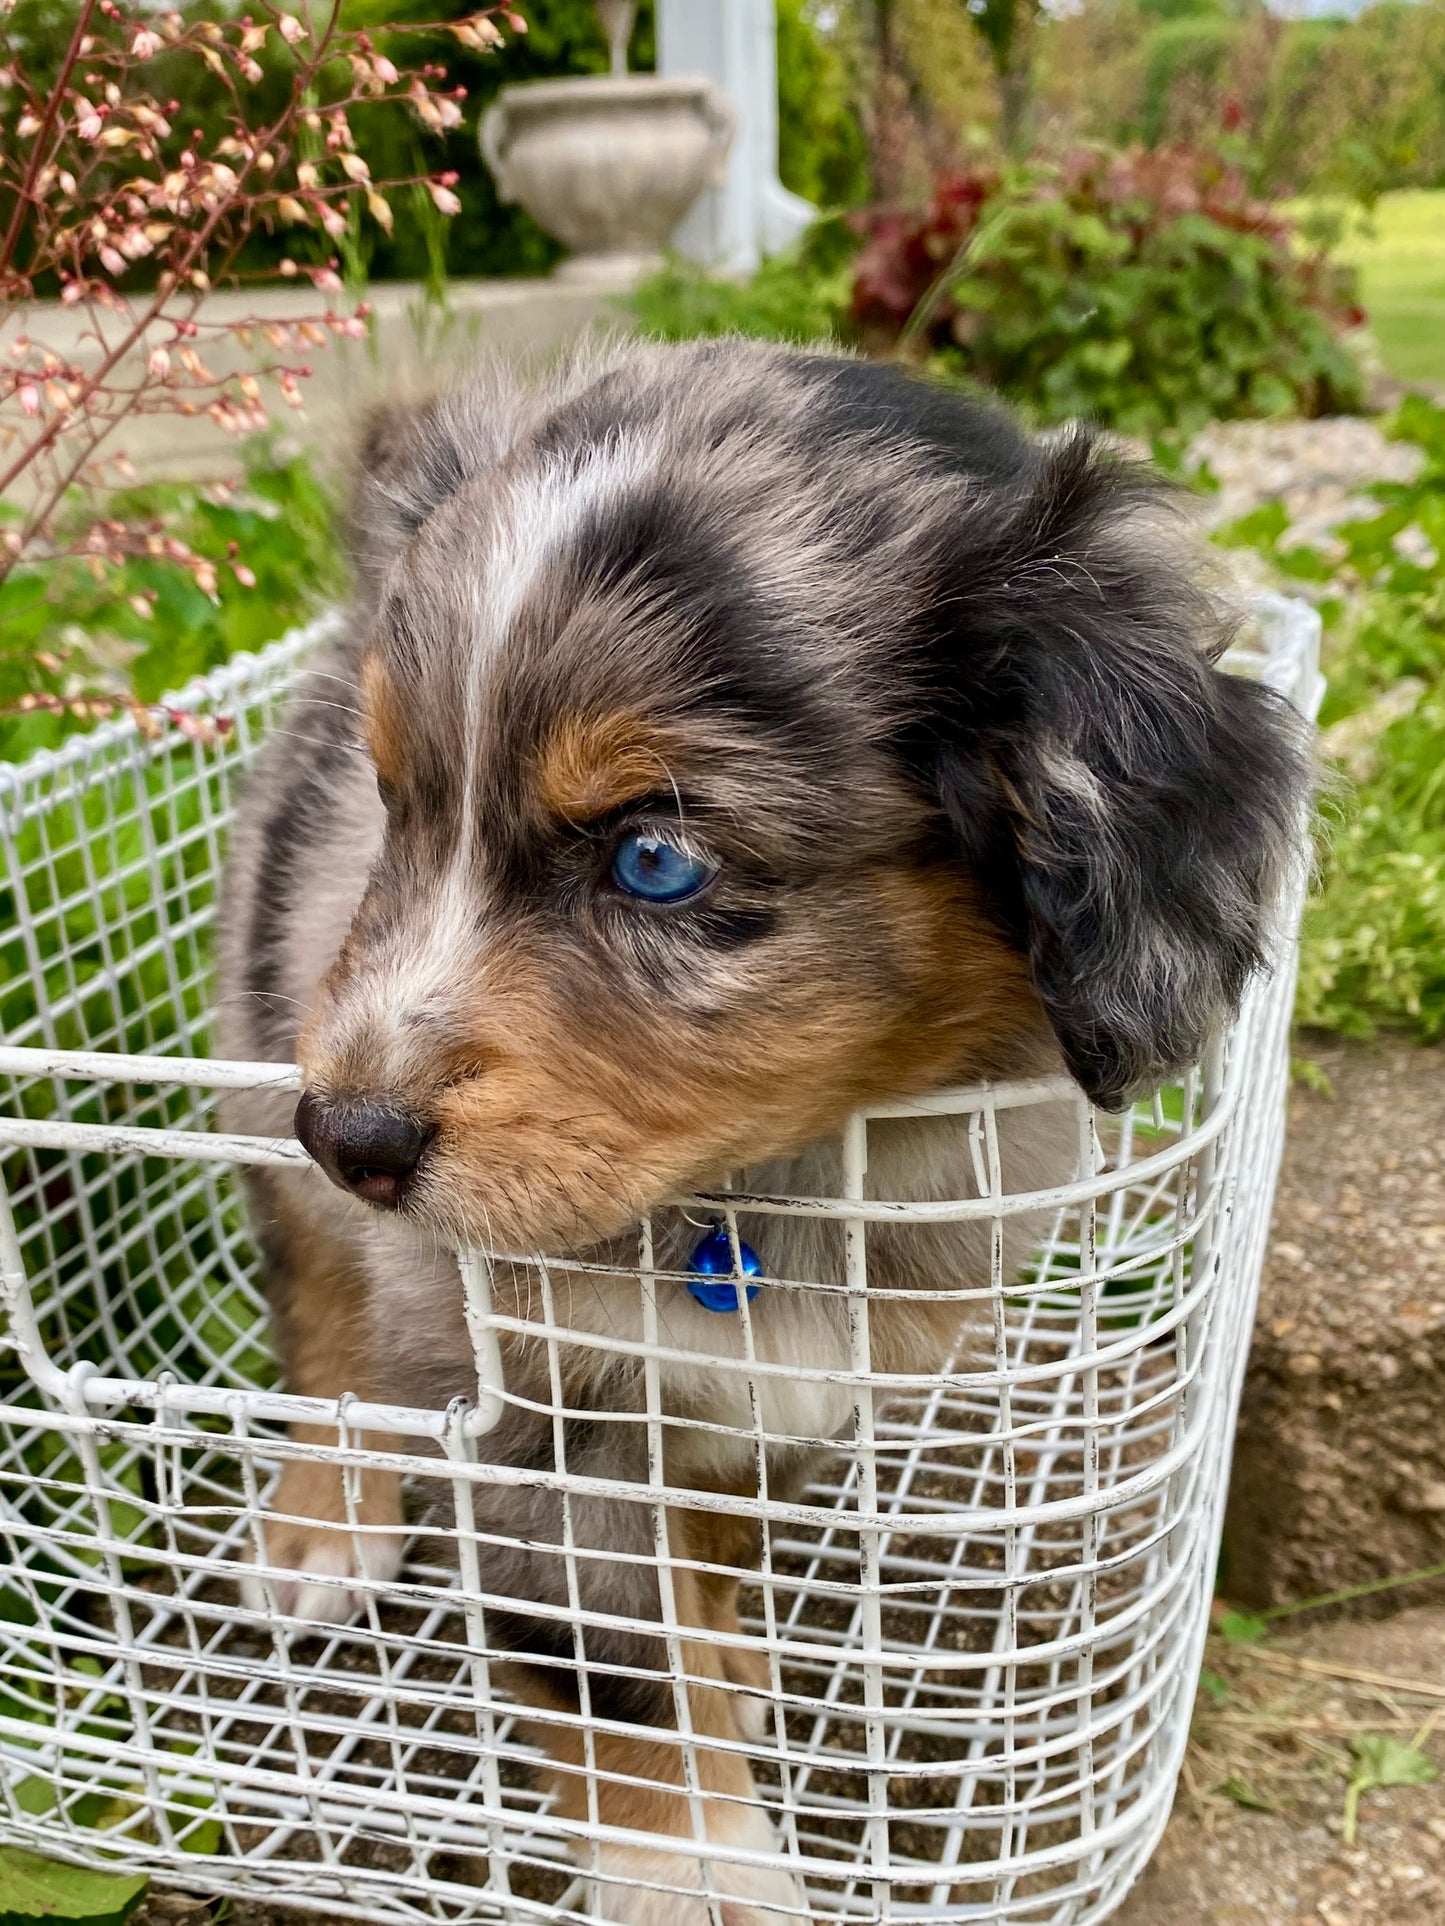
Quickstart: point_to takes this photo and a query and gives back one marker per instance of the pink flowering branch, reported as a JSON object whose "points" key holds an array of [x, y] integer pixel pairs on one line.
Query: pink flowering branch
{"points": [[99, 185]]}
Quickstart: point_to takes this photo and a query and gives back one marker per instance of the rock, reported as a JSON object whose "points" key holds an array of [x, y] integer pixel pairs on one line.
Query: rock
{"points": [[1339, 1472]]}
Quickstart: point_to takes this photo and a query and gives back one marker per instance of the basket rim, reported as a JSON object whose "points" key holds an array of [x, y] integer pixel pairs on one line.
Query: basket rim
{"points": [[202, 692]]}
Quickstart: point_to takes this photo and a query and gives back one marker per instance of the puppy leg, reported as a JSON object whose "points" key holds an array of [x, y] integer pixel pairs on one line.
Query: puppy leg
{"points": [[642, 1784], [318, 1311], [733, 1542]]}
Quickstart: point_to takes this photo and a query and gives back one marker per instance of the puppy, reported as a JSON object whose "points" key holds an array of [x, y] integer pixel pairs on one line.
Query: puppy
{"points": [[723, 738]]}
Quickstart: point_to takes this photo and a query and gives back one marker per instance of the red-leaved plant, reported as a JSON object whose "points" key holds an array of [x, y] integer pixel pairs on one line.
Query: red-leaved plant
{"points": [[1149, 290], [103, 188]]}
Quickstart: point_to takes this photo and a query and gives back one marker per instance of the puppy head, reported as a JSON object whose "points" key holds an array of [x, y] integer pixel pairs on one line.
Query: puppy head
{"points": [[761, 735]]}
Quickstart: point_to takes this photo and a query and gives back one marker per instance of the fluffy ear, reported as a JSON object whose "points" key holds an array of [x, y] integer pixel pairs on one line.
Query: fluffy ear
{"points": [[1137, 807], [411, 456]]}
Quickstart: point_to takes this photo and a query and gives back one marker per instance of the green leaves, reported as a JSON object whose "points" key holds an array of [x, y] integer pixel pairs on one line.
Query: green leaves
{"points": [[91, 635], [1085, 296], [1373, 951], [1381, 1761], [1147, 292], [1242, 1628], [41, 1889], [801, 296]]}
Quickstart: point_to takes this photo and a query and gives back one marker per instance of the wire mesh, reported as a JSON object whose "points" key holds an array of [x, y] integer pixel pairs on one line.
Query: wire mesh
{"points": [[960, 1676]]}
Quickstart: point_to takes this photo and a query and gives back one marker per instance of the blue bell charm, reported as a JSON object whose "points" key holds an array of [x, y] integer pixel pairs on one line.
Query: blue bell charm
{"points": [[713, 1259]]}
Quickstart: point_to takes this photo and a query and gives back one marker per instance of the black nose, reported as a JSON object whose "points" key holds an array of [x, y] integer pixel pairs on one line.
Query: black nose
{"points": [[363, 1144]]}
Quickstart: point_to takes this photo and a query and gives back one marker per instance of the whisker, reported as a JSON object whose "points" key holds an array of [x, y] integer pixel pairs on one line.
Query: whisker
{"points": [[320, 742], [326, 702]]}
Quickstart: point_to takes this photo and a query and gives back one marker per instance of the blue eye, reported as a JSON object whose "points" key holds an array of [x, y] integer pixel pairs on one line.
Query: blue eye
{"points": [[657, 870]]}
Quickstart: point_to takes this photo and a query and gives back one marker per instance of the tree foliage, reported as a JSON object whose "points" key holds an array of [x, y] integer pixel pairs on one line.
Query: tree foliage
{"points": [[1328, 105]]}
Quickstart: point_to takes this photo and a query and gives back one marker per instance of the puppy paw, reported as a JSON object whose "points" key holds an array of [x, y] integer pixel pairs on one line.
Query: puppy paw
{"points": [[312, 1553], [639, 1888], [754, 1715]]}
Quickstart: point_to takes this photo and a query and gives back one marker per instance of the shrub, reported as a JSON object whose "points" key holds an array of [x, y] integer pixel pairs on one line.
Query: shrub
{"points": [[1332, 105], [1300, 60], [1358, 106], [799, 296], [1148, 291], [1373, 951], [822, 154], [1186, 60]]}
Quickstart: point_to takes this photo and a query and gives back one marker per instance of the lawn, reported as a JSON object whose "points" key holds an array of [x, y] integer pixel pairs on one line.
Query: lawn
{"points": [[1402, 282]]}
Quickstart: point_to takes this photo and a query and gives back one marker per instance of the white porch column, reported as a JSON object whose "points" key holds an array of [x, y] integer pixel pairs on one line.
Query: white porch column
{"points": [[735, 43]]}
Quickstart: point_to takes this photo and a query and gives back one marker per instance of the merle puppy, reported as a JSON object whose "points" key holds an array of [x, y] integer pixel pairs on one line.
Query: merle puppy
{"points": [[722, 738]]}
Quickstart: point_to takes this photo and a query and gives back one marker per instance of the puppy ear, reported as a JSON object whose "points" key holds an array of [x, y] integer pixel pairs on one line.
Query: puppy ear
{"points": [[1138, 808], [408, 462], [411, 456]]}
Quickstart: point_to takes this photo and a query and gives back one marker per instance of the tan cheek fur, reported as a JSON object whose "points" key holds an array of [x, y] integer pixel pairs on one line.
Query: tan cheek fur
{"points": [[571, 1132]]}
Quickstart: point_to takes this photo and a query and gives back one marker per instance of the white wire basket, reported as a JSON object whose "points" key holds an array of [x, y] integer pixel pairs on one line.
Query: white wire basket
{"points": [[979, 1633]]}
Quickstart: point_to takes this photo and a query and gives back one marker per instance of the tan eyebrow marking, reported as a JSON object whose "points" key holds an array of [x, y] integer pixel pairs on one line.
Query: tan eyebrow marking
{"points": [[590, 765]]}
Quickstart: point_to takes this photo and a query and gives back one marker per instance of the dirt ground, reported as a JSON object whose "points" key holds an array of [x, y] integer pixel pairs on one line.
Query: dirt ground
{"points": [[1338, 1482], [1282, 1737], [1256, 1838], [1340, 1459]]}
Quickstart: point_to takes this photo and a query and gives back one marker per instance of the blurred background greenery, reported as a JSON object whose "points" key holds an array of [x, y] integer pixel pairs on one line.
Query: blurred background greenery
{"points": [[1343, 116]]}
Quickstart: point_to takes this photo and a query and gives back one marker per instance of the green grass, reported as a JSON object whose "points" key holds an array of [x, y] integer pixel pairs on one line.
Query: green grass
{"points": [[1402, 282]]}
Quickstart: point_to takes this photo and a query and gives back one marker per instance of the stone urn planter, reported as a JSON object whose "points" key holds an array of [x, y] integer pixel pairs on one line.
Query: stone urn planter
{"points": [[608, 166]]}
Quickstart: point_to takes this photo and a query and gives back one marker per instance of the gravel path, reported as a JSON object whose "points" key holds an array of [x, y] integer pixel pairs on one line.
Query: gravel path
{"points": [[1316, 468]]}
